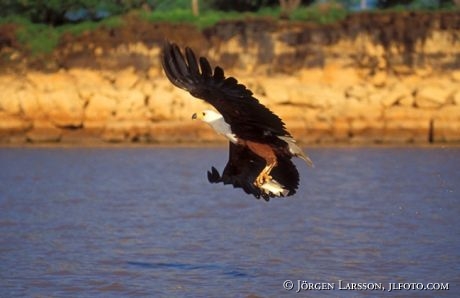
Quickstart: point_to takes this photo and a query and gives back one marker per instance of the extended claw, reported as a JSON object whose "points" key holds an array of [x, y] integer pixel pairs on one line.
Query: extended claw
{"points": [[262, 179]]}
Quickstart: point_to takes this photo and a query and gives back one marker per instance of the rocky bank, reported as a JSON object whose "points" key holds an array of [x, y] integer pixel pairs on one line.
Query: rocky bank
{"points": [[373, 78]]}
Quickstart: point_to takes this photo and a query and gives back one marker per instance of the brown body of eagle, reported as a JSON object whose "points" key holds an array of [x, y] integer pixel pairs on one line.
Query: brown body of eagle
{"points": [[260, 147]]}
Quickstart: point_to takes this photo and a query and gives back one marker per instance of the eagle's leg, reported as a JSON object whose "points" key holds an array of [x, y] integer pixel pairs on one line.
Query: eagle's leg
{"points": [[264, 176], [266, 152]]}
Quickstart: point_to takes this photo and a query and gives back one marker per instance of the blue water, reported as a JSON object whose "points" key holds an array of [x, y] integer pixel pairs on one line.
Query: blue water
{"points": [[105, 222]]}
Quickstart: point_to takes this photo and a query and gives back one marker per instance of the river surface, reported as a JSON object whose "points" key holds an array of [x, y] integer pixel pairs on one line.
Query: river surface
{"points": [[144, 222]]}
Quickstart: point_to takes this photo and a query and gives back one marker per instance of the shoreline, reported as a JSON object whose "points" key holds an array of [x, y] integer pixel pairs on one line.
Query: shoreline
{"points": [[223, 145], [348, 88]]}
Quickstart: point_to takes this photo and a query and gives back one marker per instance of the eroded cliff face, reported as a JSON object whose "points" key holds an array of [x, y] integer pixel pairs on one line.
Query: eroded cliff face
{"points": [[374, 78]]}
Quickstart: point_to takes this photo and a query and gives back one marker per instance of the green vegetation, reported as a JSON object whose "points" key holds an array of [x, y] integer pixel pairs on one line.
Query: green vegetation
{"points": [[40, 26], [41, 39], [59, 12], [38, 38], [79, 28], [318, 15], [204, 20]]}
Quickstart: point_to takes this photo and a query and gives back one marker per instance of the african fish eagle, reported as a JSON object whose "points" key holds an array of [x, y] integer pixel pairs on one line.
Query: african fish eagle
{"points": [[260, 149]]}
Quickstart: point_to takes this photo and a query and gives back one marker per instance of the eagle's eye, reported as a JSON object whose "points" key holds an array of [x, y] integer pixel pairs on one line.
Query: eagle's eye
{"points": [[204, 113]]}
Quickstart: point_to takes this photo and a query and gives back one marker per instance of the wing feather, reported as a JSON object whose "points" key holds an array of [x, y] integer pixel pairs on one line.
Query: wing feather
{"points": [[247, 117], [243, 166], [191, 60], [206, 70], [169, 66], [219, 74], [181, 66]]}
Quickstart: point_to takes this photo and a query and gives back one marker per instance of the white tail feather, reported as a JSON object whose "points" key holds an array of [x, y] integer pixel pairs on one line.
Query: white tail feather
{"points": [[296, 150]]}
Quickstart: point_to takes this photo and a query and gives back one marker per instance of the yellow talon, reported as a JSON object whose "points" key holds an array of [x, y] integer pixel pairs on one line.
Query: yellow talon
{"points": [[261, 179], [264, 175]]}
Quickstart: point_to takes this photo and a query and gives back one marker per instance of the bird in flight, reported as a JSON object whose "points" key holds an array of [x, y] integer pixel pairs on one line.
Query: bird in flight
{"points": [[260, 147]]}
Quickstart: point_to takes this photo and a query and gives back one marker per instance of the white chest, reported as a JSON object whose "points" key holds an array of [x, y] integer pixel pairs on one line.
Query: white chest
{"points": [[222, 127]]}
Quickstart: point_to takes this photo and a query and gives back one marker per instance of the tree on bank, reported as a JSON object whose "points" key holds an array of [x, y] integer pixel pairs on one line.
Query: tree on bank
{"points": [[58, 12], [287, 7], [195, 8]]}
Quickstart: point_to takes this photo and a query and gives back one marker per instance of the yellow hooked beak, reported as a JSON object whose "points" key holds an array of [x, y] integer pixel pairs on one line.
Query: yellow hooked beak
{"points": [[198, 116]]}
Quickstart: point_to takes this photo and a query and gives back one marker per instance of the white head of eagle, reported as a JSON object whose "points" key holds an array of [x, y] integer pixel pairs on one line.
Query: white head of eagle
{"points": [[217, 122], [260, 147]]}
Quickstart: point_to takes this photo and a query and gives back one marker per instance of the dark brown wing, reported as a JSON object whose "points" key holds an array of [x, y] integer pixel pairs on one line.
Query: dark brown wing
{"points": [[244, 166], [248, 118]]}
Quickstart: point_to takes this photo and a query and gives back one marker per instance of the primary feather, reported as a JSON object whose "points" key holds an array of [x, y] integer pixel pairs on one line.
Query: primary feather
{"points": [[244, 113]]}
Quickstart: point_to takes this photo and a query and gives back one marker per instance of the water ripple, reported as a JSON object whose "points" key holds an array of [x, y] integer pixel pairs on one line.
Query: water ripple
{"points": [[89, 222]]}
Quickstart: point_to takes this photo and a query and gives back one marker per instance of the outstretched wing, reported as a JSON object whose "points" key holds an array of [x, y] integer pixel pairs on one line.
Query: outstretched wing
{"points": [[247, 117], [243, 166]]}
